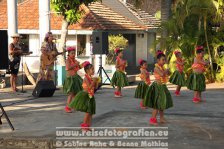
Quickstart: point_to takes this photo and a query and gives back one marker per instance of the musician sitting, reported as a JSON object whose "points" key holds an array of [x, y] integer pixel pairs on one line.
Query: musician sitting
{"points": [[15, 53], [46, 70]]}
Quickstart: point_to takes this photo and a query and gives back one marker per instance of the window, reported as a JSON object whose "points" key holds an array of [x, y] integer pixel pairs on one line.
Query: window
{"points": [[24, 42], [81, 45]]}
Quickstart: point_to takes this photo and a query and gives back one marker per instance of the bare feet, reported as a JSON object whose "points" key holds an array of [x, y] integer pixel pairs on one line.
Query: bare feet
{"points": [[68, 110], [16, 89], [196, 100], [154, 124], [13, 90], [85, 127], [117, 94], [142, 106], [153, 121], [162, 120], [201, 100]]}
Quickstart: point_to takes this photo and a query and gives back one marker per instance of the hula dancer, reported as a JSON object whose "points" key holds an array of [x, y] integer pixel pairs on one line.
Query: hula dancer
{"points": [[84, 101], [119, 78], [178, 77], [73, 82], [142, 86], [196, 80], [157, 95]]}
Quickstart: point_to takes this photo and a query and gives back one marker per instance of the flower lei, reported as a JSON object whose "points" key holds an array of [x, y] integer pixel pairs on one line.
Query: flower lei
{"points": [[180, 60], [180, 67], [163, 79], [147, 80], [73, 63], [122, 66], [90, 91], [199, 66]]}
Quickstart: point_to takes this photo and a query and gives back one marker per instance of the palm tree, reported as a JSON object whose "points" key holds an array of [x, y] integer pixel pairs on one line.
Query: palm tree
{"points": [[190, 13], [205, 9], [165, 15]]}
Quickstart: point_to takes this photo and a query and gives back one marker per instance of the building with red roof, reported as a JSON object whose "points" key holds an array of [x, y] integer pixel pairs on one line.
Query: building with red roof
{"points": [[115, 17]]}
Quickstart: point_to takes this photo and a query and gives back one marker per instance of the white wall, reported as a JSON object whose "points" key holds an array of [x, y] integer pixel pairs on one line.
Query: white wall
{"points": [[88, 48], [34, 44], [141, 47], [33, 60], [71, 40]]}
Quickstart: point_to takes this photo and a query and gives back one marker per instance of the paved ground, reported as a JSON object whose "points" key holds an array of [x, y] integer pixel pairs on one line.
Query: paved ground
{"points": [[191, 126]]}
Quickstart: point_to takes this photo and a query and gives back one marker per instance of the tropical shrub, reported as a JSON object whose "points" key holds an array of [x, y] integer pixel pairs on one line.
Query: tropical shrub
{"points": [[192, 23], [115, 41]]}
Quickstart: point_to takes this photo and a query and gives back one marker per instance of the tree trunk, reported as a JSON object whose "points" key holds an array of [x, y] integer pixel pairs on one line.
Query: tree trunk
{"points": [[165, 9], [165, 15], [62, 44], [209, 52]]}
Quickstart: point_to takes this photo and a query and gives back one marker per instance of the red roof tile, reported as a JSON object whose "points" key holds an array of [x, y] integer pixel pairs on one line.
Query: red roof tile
{"points": [[3, 14], [97, 17]]}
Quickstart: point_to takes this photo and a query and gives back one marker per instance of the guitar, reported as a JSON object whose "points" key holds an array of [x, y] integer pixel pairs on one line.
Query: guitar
{"points": [[20, 54], [53, 55], [15, 58]]}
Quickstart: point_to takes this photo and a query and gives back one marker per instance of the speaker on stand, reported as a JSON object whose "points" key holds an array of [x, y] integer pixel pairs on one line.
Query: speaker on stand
{"points": [[100, 42], [100, 47]]}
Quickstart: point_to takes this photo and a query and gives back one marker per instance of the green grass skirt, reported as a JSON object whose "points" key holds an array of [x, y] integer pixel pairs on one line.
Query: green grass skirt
{"points": [[83, 103], [158, 97], [119, 79], [196, 82], [72, 84], [141, 90], [178, 78]]}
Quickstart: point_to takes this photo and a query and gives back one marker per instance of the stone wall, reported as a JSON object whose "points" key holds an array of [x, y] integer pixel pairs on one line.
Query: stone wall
{"points": [[25, 143]]}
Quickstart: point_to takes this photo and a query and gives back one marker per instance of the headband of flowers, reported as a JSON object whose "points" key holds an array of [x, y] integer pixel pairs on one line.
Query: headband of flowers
{"points": [[71, 49], [159, 52], [86, 63], [117, 50], [199, 48], [176, 52], [140, 61]]}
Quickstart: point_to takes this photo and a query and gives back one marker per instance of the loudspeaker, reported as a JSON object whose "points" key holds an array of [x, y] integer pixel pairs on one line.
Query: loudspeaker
{"points": [[4, 61], [44, 88], [100, 42]]}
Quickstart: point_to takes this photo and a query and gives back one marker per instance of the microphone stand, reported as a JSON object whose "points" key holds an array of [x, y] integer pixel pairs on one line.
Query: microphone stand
{"points": [[22, 45], [100, 72], [22, 91], [55, 74]]}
